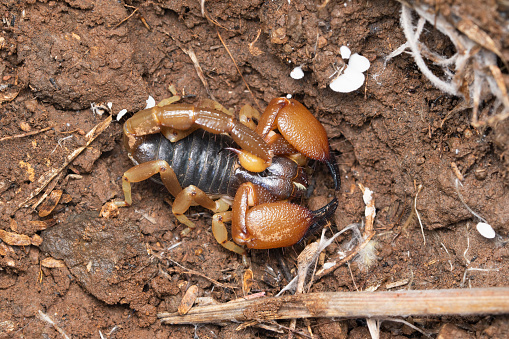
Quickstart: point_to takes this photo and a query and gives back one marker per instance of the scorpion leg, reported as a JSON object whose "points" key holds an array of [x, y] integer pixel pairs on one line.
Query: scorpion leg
{"points": [[221, 234], [192, 195], [301, 129], [175, 135], [247, 115], [269, 224], [144, 171]]}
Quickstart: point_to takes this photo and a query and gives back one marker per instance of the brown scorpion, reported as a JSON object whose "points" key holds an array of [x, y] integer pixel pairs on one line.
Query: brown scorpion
{"points": [[257, 180]]}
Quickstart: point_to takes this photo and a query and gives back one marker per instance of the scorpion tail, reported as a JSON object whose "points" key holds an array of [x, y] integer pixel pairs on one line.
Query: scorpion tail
{"points": [[334, 170], [321, 217]]}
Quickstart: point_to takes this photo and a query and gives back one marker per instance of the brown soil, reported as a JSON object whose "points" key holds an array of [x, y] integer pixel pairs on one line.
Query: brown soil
{"points": [[392, 135]]}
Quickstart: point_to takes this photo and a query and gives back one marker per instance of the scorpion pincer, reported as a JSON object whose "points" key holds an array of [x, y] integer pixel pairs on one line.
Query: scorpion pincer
{"points": [[258, 182]]}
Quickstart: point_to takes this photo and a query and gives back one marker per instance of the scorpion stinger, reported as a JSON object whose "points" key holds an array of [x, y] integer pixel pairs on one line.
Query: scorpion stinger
{"points": [[321, 217]]}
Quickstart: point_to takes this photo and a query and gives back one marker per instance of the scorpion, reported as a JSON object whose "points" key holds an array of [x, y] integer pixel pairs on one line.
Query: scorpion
{"points": [[187, 146]]}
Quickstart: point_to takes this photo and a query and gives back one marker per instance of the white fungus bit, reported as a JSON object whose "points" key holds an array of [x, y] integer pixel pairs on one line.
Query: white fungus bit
{"points": [[347, 82], [121, 114], [359, 63], [367, 196], [345, 52], [150, 102], [297, 73], [486, 230], [352, 78]]}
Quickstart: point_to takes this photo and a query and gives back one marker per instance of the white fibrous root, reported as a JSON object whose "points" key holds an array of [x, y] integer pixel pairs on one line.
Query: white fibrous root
{"points": [[471, 73], [483, 227]]}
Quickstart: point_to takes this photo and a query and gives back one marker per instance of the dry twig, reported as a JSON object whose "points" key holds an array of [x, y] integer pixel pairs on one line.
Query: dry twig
{"points": [[183, 270], [238, 70], [26, 134], [352, 305], [127, 18], [199, 70]]}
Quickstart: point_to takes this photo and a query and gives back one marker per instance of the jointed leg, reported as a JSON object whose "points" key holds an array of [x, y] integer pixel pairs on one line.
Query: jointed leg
{"points": [[247, 115], [192, 195], [221, 234], [143, 172]]}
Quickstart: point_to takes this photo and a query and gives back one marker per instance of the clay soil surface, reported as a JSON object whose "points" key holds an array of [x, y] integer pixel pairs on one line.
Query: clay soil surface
{"points": [[110, 277]]}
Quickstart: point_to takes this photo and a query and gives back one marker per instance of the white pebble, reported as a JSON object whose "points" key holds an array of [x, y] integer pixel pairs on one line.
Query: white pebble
{"points": [[297, 73], [288, 96], [486, 230], [345, 52], [348, 81], [121, 114], [150, 102], [359, 63]]}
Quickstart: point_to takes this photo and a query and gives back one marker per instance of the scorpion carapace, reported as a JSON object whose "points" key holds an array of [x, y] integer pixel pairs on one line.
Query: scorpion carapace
{"points": [[262, 173]]}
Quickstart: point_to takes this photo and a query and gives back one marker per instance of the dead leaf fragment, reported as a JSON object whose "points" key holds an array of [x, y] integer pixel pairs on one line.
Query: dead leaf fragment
{"points": [[475, 33], [109, 210], [25, 127], [66, 198], [39, 225], [30, 170], [15, 239], [36, 240], [188, 300], [4, 249], [52, 263], [9, 96], [247, 281], [50, 203], [278, 36]]}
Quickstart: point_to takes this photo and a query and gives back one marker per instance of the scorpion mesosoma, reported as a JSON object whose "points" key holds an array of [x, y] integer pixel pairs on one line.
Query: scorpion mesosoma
{"points": [[265, 173]]}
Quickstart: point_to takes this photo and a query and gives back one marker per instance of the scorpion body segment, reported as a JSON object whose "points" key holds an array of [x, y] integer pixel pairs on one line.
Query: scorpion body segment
{"points": [[254, 169], [199, 159], [202, 159]]}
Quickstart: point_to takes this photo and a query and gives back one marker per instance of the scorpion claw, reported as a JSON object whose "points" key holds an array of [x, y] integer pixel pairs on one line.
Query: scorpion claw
{"points": [[301, 129]]}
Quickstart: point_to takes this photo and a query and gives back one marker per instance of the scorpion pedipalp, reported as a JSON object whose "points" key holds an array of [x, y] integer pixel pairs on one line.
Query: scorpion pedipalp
{"points": [[259, 222]]}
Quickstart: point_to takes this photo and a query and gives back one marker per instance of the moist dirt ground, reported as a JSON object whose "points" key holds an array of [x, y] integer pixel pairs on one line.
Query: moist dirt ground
{"points": [[397, 135]]}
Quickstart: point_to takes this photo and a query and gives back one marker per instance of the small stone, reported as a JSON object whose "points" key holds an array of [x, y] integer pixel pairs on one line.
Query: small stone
{"points": [[322, 42], [278, 36], [480, 173]]}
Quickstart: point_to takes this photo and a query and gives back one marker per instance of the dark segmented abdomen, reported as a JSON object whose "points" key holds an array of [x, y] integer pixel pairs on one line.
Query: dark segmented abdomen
{"points": [[199, 159]]}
